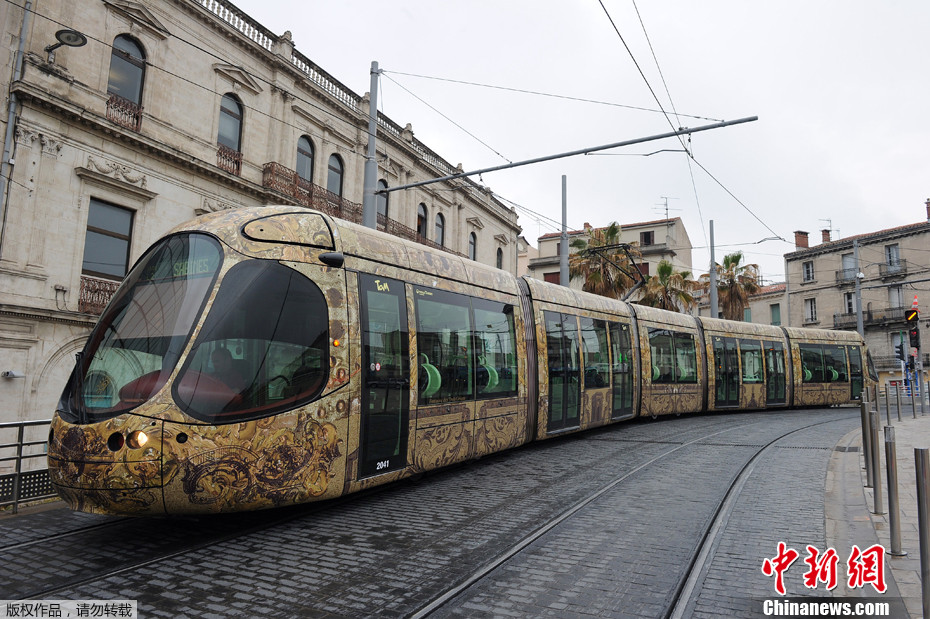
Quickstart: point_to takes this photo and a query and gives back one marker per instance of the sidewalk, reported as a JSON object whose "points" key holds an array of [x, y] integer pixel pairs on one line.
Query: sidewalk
{"points": [[910, 433]]}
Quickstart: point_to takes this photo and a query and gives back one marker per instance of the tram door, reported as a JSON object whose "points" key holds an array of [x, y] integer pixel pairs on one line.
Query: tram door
{"points": [[775, 377], [621, 351], [564, 371], [385, 376], [726, 357]]}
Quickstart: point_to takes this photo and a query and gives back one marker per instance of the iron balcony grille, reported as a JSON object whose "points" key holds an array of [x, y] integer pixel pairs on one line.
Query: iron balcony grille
{"points": [[124, 112]]}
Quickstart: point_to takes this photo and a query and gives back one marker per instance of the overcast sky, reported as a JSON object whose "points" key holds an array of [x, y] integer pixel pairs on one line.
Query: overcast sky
{"points": [[841, 89]]}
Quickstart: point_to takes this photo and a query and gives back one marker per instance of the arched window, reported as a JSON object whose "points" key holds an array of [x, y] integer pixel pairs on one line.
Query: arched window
{"points": [[334, 175], [440, 229], [305, 158], [230, 134], [500, 258], [421, 220], [381, 200], [124, 85], [472, 245], [127, 69]]}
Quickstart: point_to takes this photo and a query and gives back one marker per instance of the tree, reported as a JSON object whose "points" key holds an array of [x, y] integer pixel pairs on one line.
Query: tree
{"points": [[670, 289], [595, 268], [735, 283]]}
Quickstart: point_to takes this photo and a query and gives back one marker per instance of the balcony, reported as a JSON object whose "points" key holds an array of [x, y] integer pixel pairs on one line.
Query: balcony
{"points": [[229, 160], [870, 318], [286, 182], [846, 276], [890, 269], [95, 294], [124, 112]]}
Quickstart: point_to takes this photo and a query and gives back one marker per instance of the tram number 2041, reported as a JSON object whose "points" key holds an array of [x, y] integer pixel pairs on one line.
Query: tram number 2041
{"points": [[382, 464]]}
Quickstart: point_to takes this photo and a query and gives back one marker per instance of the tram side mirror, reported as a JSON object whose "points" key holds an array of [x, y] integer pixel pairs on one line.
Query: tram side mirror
{"points": [[333, 259]]}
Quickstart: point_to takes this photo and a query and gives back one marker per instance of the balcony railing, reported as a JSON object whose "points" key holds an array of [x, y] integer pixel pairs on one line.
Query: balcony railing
{"points": [[95, 294], [124, 112], [870, 317], [229, 159], [896, 268], [286, 182], [846, 276]]}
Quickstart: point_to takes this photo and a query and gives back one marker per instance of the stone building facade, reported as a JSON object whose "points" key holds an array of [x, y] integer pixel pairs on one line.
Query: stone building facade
{"points": [[170, 109], [895, 268], [663, 239]]}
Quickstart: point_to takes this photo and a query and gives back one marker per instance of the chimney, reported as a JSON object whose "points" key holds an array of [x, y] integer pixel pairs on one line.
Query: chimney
{"points": [[928, 209], [824, 236], [800, 239]]}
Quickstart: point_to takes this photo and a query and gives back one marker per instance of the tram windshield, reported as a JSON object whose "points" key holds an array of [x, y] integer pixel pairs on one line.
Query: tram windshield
{"points": [[140, 337], [263, 348]]}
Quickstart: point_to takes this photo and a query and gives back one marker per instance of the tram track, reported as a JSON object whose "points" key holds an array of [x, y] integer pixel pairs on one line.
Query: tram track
{"points": [[688, 583]]}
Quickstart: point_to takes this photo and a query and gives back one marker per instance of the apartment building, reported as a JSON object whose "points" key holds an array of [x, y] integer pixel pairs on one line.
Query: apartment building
{"points": [[893, 270], [663, 239]]}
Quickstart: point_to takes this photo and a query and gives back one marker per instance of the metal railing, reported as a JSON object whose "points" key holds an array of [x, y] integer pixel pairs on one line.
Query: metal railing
{"points": [[897, 268], [870, 317], [124, 112], [285, 181], [95, 294], [22, 486]]}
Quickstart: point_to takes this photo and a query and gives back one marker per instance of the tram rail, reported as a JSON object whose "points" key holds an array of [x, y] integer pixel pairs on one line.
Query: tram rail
{"points": [[688, 584]]}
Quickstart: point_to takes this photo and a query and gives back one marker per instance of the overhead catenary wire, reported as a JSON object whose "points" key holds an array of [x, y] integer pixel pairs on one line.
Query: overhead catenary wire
{"points": [[547, 94]]}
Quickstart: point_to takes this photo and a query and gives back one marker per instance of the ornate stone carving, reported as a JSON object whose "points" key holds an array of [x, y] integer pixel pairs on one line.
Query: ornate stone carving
{"points": [[50, 146], [26, 136], [212, 206], [119, 172]]}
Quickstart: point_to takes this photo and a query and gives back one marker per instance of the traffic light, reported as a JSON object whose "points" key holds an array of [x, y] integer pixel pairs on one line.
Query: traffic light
{"points": [[910, 363], [914, 334], [899, 351], [911, 315]]}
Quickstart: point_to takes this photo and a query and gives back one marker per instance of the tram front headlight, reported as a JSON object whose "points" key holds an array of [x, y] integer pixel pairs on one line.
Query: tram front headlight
{"points": [[137, 439]]}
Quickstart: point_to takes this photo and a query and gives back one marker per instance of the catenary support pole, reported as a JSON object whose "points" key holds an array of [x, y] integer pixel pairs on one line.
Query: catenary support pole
{"points": [[712, 272], [369, 206], [563, 246]]}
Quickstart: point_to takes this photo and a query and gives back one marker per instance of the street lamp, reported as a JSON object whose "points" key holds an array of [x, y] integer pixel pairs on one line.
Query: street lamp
{"points": [[69, 38]]}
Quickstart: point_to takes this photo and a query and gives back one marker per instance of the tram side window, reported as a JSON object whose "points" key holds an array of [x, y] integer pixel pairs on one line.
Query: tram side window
{"points": [[824, 363], [751, 352], [674, 359], [811, 363], [836, 368], [596, 353], [444, 346], [495, 348]]}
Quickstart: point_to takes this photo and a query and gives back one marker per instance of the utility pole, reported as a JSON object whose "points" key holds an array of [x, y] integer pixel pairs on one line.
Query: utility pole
{"points": [[563, 246], [369, 207], [859, 277], [713, 275]]}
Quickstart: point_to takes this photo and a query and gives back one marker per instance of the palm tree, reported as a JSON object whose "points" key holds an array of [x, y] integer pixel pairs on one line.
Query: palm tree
{"points": [[595, 268], [734, 285], [670, 289]]}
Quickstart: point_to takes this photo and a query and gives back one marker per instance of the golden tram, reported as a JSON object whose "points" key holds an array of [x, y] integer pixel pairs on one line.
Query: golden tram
{"points": [[269, 356]]}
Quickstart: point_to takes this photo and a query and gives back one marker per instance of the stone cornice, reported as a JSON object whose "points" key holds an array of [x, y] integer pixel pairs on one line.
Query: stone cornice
{"points": [[74, 319]]}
